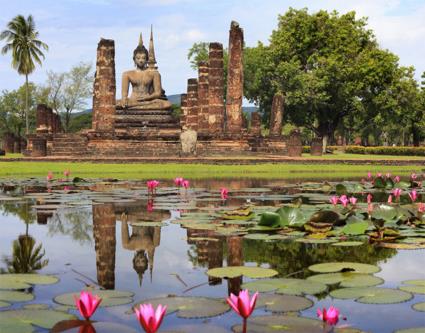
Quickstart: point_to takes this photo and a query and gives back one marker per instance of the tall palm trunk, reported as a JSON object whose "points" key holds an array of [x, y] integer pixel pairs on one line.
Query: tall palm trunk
{"points": [[27, 122]]}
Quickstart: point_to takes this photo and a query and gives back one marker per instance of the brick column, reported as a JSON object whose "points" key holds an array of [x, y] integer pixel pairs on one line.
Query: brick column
{"points": [[8, 143], [104, 87], [41, 118], [255, 129], [183, 116], [276, 115], [49, 119], [316, 147], [105, 243], [234, 80], [295, 147], [216, 89], [192, 104], [203, 97]]}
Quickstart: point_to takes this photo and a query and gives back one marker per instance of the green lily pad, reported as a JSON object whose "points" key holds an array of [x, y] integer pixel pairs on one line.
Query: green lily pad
{"points": [[402, 246], [235, 271], [190, 307], [22, 321], [24, 281], [315, 240], [292, 216], [355, 229], [414, 286], [372, 295], [412, 330], [4, 304], [347, 279], [109, 297], [283, 303], [419, 307], [15, 296], [335, 267], [76, 326], [348, 243], [36, 307], [289, 286], [269, 219]]}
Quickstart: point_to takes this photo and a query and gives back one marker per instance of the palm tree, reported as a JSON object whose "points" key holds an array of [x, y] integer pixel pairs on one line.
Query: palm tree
{"points": [[21, 39]]}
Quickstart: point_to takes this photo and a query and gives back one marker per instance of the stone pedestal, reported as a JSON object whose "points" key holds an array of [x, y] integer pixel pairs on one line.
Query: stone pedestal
{"points": [[255, 129], [104, 87], [276, 115], [234, 93], [39, 147], [188, 139], [295, 147], [316, 147], [216, 89]]}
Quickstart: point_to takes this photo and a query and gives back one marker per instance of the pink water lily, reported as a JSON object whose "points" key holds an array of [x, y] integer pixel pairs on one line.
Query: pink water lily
{"points": [[150, 319], [87, 303], [185, 183], [413, 176], [396, 179], [390, 199], [397, 193], [334, 200], [369, 208], [329, 316], [344, 200], [49, 176], [369, 198], [413, 195], [388, 175], [353, 200], [67, 173], [379, 175], [152, 185], [224, 193], [421, 207], [178, 181], [369, 175], [243, 305]]}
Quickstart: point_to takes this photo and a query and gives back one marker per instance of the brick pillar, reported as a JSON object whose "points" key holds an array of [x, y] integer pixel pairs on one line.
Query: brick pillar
{"points": [[216, 89], [295, 147], [49, 120], [234, 80], [105, 243], [316, 147], [192, 104], [255, 129], [183, 116], [41, 118], [276, 115], [39, 147], [8, 143], [104, 87], [203, 97]]}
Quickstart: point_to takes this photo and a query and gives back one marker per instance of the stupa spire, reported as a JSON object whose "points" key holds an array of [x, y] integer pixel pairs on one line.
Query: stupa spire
{"points": [[140, 40], [152, 60]]}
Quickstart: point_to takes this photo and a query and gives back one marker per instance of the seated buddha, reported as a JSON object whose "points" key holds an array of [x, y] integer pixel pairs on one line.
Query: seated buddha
{"points": [[145, 80]]}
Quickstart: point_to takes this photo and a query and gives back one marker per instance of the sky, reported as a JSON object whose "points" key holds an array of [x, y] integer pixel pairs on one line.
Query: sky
{"points": [[72, 29]]}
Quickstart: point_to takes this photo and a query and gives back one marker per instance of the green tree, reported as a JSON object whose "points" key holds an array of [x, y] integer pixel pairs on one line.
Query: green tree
{"points": [[21, 39]]}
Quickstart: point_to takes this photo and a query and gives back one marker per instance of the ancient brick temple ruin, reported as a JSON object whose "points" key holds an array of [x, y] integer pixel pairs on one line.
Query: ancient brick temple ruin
{"points": [[211, 121]]}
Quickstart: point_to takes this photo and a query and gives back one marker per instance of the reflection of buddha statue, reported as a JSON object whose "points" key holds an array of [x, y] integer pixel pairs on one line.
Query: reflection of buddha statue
{"points": [[145, 80]]}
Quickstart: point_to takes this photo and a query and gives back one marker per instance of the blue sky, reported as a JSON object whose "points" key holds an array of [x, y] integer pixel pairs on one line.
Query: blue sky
{"points": [[72, 29]]}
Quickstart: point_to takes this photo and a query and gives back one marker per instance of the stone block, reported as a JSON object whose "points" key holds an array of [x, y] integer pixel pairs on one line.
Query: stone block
{"points": [[188, 141], [316, 147]]}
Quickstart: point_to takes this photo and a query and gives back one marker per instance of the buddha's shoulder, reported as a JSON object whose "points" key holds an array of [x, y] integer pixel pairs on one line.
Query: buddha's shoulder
{"points": [[130, 72]]}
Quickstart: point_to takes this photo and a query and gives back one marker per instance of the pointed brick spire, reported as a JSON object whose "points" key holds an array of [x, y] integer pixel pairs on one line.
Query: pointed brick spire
{"points": [[152, 60]]}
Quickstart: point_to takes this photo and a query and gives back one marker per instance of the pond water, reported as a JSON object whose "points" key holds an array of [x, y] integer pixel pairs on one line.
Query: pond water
{"points": [[114, 235]]}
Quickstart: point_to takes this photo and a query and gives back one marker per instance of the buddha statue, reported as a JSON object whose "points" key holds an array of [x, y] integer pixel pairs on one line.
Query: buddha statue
{"points": [[145, 80]]}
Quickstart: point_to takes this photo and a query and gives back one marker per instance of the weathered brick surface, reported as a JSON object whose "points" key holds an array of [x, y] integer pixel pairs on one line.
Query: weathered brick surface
{"points": [[104, 225], [316, 147], [9, 143], [234, 93], [294, 144], [183, 114], [216, 89], [41, 118], [203, 109], [192, 105], [255, 129], [276, 115], [39, 147], [104, 87]]}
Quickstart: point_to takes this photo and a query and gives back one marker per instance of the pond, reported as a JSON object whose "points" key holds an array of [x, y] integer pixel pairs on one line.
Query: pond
{"points": [[169, 246]]}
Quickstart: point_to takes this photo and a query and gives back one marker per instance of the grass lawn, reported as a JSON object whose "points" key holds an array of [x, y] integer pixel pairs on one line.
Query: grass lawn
{"points": [[196, 171]]}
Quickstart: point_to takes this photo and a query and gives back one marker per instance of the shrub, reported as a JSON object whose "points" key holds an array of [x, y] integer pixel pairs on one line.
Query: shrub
{"points": [[406, 151]]}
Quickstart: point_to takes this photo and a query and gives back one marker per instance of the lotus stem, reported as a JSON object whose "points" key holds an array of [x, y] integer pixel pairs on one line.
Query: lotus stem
{"points": [[244, 325]]}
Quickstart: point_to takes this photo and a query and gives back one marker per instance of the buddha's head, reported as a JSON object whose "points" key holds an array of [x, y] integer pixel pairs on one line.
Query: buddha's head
{"points": [[140, 56]]}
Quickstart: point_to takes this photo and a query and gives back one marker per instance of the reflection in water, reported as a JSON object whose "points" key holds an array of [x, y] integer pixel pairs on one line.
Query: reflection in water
{"points": [[26, 256]]}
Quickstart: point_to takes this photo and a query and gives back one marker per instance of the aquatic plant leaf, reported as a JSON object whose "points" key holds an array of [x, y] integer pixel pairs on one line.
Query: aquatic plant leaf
{"points": [[206, 327], [316, 240], [190, 307], [402, 185], [355, 229], [270, 219], [341, 189], [325, 216], [288, 286], [24, 281], [4, 304], [335, 267], [348, 243], [412, 330], [292, 216], [235, 271], [109, 297], [15, 296], [419, 307], [402, 246], [75, 326], [418, 289], [36, 307], [385, 212], [415, 282], [347, 279], [22, 320], [257, 236], [283, 303], [372, 295]]}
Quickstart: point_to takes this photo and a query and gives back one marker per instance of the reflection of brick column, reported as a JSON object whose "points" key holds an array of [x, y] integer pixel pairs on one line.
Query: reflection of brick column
{"points": [[104, 87], [105, 242], [192, 104], [276, 115], [203, 97], [215, 259], [255, 129], [183, 115], [216, 89], [234, 80], [234, 258]]}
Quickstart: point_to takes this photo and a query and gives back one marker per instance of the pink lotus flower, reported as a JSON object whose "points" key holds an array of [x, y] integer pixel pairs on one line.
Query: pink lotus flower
{"points": [[334, 200], [49, 176], [369, 208], [152, 185], [344, 200], [87, 304], [390, 199], [369, 175], [149, 206], [224, 192], [397, 192], [413, 176], [67, 173], [369, 198], [150, 319], [178, 181], [329, 316], [421, 207], [353, 200], [379, 175], [185, 183], [243, 305], [396, 179], [413, 195], [388, 175], [67, 188]]}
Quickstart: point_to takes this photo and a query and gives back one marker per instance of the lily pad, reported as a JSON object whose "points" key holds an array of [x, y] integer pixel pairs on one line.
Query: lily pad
{"points": [[414, 286], [347, 279], [335, 267], [402, 246], [235, 271], [283, 303], [372, 295], [14, 296], [76, 326], [22, 321], [109, 297], [348, 243], [412, 330], [24, 281], [190, 307], [419, 307], [355, 229], [287, 286]]}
